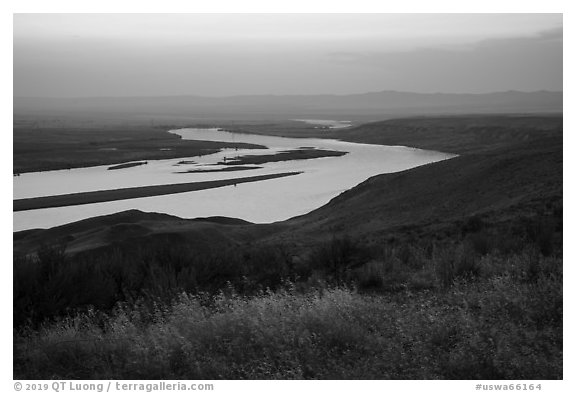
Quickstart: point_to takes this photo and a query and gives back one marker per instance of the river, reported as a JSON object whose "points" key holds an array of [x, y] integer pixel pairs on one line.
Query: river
{"points": [[261, 202]]}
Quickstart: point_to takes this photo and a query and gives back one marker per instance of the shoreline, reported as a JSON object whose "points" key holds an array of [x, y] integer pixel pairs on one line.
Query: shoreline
{"points": [[85, 198], [42, 150]]}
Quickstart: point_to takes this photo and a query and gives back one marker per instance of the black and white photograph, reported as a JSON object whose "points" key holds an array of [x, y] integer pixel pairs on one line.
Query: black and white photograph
{"points": [[287, 196]]}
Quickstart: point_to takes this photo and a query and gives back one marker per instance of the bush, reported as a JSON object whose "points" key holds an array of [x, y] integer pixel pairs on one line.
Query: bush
{"points": [[541, 232], [455, 262], [480, 242], [497, 329], [55, 285], [337, 256], [170, 313], [472, 224]]}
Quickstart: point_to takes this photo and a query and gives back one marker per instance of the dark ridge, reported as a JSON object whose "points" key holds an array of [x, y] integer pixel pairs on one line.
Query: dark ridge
{"points": [[16, 236], [127, 216], [224, 220]]}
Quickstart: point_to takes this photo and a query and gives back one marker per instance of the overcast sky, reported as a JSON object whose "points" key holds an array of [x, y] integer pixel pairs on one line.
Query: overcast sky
{"points": [[67, 55]]}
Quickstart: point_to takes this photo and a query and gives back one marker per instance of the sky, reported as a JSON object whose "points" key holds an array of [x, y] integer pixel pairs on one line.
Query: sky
{"points": [[91, 55]]}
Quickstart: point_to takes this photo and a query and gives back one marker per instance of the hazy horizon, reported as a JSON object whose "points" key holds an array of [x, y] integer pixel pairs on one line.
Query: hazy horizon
{"points": [[222, 55], [281, 95]]}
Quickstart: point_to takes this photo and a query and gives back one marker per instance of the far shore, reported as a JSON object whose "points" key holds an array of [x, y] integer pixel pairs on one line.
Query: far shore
{"points": [[84, 198], [49, 149]]}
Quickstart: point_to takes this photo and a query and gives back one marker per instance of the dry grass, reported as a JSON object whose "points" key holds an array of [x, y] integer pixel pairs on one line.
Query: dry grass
{"points": [[505, 325]]}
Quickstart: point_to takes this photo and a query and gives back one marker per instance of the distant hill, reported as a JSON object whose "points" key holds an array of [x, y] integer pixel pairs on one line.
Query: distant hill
{"points": [[455, 134], [384, 103]]}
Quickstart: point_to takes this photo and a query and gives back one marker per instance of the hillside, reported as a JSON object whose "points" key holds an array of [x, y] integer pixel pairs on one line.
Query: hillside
{"points": [[455, 134], [133, 228], [459, 134], [500, 185]]}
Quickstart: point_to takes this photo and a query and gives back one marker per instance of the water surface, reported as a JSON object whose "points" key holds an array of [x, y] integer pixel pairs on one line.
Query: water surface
{"points": [[262, 202]]}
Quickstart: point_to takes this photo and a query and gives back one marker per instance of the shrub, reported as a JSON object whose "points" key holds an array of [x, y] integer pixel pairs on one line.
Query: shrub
{"points": [[171, 313], [480, 242], [472, 224], [54, 284], [499, 328], [337, 256], [542, 233], [423, 279], [369, 276], [455, 262]]}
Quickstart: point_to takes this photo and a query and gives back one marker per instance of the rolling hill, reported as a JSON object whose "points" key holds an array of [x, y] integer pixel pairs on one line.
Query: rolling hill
{"points": [[499, 185]]}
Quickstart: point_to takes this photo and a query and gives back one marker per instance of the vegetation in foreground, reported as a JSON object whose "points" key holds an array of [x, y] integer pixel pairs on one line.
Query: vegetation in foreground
{"points": [[484, 307]]}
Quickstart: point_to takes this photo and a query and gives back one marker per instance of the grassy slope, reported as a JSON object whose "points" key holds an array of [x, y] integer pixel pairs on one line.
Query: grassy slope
{"points": [[452, 134], [455, 134], [133, 228], [499, 184], [330, 334]]}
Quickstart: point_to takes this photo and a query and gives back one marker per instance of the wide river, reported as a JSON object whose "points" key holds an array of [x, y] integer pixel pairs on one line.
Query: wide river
{"points": [[261, 202]]}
